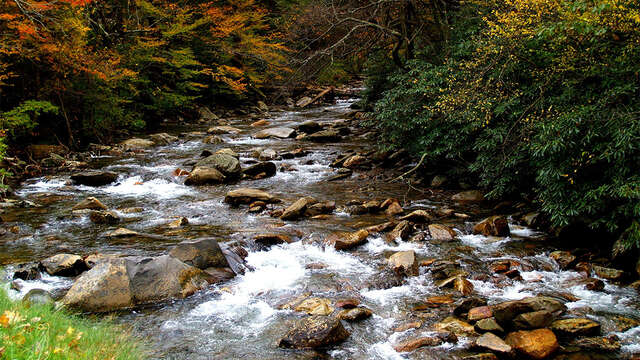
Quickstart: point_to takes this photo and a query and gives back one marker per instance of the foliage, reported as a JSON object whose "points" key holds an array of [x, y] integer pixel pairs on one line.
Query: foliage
{"points": [[533, 98], [41, 332]]}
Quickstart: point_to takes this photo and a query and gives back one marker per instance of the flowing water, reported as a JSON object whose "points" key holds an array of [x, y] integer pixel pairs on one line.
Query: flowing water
{"points": [[242, 318]]}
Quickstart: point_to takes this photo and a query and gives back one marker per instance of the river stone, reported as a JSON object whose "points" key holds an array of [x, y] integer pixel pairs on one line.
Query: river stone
{"points": [[609, 344], [213, 140], [89, 203], [401, 231], [483, 356], [404, 262], [488, 325], [309, 127], [441, 232], [204, 176], [564, 259], [298, 208], [394, 209], [272, 239], [104, 288], [505, 312], [533, 320], [608, 273], [418, 216], [163, 277], [467, 304], [38, 297], [492, 226], [321, 208], [479, 313], [575, 327], [491, 342], [324, 136], [203, 254], [462, 285], [64, 265], [228, 165], [346, 240], [247, 196], [163, 138], [314, 332], [122, 233], [279, 132], [456, 326], [356, 314], [354, 161], [315, 306], [137, 144], [104, 217], [535, 344], [227, 151], [469, 196], [94, 178], [413, 344], [261, 170], [219, 130]]}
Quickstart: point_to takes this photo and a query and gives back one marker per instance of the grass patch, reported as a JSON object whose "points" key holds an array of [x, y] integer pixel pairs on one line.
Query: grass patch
{"points": [[42, 332]]}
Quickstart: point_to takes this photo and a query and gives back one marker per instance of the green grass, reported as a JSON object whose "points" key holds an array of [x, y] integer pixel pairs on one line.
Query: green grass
{"points": [[42, 332]]}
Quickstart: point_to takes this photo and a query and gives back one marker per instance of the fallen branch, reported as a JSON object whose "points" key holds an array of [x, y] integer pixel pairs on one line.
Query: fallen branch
{"points": [[412, 170]]}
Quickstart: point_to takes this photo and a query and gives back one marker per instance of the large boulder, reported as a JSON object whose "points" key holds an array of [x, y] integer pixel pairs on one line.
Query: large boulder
{"points": [[106, 287], [94, 178], [205, 176], [228, 165], [507, 311], [535, 344], [279, 132], [314, 332], [163, 139], [203, 254], [247, 196], [64, 265], [492, 226], [347, 240], [298, 208], [163, 277]]}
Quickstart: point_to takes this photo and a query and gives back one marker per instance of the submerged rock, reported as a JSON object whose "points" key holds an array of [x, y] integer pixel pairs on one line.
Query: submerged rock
{"points": [[314, 332], [38, 297]]}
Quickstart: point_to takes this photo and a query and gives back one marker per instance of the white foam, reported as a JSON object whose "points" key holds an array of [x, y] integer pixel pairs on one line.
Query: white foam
{"points": [[46, 282], [522, 231], [378, 245], [158, 188], [484, 243]]}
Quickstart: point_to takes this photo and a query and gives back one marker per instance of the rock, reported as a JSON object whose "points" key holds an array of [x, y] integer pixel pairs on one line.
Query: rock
{"points": [[137, 144], [304, 101], [247, 196], [202, 254], [408, 326], [213, 140], [394, 209], [488, 325], [260, 123], [533, 320], [309, 127], [204, 176], [467, 304], [104, 217], [220, 130], [228, 165], [346, 240], [278, 132], [535, 344], [94, 178], [479, 313], [64, 265], [26, 272], [564, 259], [404, 262], [206, 114], [122, 233], [355, 161], [401, 231], [39, 152], [418, 216], [262, 107], [441, 232], [163, 277], [38, 297], [322, 208], [267, 154], [468, 196], [491, 342], [94, 259], [505, 312], [608, 273], [455, 326], [348, 303], [163, 139], [438, 181], [610, 344], [89, 203], [413, 344], [272, 239], [261, 170], [178, 223], [314, 332], [298, 208], [226, 151], [315, 306], [492, 226], [575, 327], [464, 286], [324, 136], [594, 284], [483, 356], [106, 287], [356, 314]]}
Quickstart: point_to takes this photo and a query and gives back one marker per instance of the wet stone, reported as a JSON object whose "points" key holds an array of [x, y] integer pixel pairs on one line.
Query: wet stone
{"points": [[488, 325], [314, 332], [356, 314], [491, 342], [575, 327]]}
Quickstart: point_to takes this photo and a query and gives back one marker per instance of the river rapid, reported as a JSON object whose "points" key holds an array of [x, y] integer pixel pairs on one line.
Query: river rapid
{"points": [[244, 317]]}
